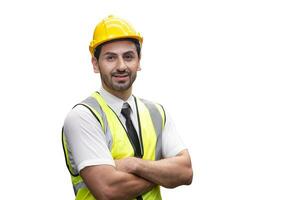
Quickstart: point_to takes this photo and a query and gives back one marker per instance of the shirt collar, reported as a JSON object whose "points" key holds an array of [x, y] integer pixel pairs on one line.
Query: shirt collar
{"points": [[115, 103]]}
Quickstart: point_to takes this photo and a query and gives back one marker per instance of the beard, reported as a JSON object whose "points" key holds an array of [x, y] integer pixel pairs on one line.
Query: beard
{"points": [[111, 82]]}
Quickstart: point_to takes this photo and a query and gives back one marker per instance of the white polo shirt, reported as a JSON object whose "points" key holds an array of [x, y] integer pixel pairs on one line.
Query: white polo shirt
{"points": [[87, 145]]}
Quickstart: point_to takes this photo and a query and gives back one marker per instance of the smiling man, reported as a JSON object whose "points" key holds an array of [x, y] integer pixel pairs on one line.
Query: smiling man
{"points": [[116, 145]]}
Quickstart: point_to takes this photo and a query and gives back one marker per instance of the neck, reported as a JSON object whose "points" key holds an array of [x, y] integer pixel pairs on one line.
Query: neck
{"points": [[124, 95]]}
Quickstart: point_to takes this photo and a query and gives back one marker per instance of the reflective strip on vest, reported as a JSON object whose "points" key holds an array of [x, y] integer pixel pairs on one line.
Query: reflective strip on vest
{"points": [[99, 113], [78, 186], [66, 153], [158, 122]]}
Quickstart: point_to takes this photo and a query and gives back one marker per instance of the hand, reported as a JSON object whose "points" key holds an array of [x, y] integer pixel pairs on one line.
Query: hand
{"points": [[127, 165]]}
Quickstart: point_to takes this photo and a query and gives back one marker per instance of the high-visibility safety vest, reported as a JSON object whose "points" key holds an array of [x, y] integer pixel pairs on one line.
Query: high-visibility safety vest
{"points": [[151, 121]]}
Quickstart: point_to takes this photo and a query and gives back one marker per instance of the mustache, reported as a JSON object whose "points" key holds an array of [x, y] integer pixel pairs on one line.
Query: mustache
{"points": [[121, 73]]}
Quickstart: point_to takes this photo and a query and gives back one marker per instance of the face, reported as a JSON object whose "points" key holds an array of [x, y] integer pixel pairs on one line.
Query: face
{"points": [[118, 64]]}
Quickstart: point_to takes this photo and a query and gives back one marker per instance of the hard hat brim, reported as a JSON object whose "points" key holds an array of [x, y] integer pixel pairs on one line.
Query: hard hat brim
{"points": [[93, 46]]}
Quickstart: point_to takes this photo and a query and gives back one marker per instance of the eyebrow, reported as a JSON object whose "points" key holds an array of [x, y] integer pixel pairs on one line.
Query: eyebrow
{"points": [[112, 53]]}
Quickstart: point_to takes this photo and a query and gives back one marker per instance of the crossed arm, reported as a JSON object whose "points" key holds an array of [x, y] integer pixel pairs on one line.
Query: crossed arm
{"points": [[134, 176], [107, 183]]}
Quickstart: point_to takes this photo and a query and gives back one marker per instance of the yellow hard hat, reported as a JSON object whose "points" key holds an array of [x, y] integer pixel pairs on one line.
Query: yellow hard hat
{"points": [[112, 28]]}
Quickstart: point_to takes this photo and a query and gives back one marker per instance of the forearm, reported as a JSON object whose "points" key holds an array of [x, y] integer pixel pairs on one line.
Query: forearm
{"points": [[128, 186], [109, 183], [169, 172]]}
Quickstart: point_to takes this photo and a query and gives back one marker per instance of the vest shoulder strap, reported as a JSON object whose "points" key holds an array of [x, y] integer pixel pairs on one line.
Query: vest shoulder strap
{"points": [[157, 112], [94, 107]]}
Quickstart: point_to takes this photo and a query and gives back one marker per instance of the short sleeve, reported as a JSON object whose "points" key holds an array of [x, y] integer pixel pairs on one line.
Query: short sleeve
{"points": [[86, 142], [172, 143]]}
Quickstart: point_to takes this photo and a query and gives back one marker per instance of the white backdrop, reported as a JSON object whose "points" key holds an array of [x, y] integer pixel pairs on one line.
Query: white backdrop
{"points": [[228, 72]]}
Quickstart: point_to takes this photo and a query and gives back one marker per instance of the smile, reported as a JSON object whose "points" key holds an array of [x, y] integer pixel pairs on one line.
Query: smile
{"points": [[121, 77]]}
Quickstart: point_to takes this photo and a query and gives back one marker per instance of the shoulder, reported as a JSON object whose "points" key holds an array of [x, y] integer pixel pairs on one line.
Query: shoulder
{"points": [[156, 110], [83, 111], [79, 112], [79, 116], [152, 105], [149, 103]]}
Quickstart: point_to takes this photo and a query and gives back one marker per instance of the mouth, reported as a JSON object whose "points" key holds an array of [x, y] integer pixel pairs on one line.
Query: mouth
{"points": [[120, 77]]}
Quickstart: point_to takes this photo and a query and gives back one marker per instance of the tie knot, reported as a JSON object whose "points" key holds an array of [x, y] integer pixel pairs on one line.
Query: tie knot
{"points": [[126, 111]]}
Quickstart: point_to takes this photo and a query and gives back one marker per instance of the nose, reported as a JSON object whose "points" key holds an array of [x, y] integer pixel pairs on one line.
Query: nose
{"points": [[121, 64]]}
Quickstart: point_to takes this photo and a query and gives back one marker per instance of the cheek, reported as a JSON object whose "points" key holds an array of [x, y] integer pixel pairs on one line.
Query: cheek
{"points": [[104, 72], [135, 66], [106, 67]]}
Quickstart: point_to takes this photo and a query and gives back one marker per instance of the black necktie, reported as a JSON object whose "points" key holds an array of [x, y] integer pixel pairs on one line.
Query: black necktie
{"points": [[131, 132]]}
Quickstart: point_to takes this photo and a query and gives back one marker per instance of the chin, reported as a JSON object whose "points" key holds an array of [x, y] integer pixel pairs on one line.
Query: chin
{"points": [[121, 88]]}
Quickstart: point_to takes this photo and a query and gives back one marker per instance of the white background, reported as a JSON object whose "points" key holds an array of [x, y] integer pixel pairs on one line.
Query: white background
{"points": [[228, 72]]}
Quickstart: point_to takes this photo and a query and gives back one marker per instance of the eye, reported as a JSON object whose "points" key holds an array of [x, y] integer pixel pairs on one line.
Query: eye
{"points": [[128, 57], [110, 58]]}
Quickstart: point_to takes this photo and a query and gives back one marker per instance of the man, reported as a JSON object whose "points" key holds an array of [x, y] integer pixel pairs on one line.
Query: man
{"points": [[116, 145]]}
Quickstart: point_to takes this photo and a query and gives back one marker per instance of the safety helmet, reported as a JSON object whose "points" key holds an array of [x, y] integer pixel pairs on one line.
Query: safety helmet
{"points": [[112, 28]]}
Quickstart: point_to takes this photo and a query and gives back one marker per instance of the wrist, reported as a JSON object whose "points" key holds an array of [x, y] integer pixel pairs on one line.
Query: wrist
{"points": [[138, 166]]}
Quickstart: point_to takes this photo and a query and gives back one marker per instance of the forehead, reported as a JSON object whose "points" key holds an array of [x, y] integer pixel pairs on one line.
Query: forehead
{"points": [[118, 47]]}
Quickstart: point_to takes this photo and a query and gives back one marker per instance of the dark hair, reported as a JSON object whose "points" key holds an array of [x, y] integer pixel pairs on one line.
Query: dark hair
{"points": [[135, 41]]}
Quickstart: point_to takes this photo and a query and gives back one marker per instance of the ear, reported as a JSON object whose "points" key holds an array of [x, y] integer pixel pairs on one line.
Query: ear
{"points": [[139, 67], [95, 64]]}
